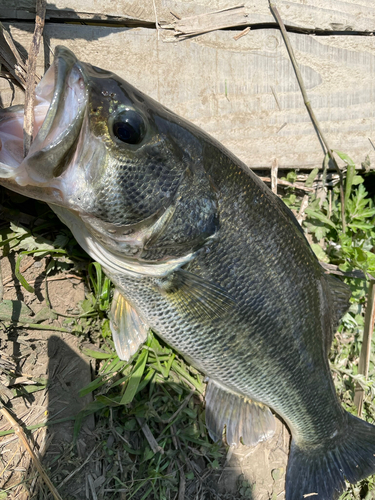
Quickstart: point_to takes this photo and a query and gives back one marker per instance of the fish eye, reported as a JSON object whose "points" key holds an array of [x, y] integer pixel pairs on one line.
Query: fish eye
{"points": [[129, 127]]}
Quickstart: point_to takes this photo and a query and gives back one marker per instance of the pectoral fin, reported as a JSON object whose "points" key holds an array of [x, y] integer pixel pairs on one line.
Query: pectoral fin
{"points": [[195, 295], [129, 331], [245, 420]]}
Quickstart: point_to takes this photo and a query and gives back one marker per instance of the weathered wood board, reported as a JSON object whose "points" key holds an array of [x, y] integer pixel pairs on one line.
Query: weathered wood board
{"points": [[330, 15], [243, 92]]}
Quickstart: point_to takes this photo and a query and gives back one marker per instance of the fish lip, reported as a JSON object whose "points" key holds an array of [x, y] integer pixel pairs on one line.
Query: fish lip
{"points": [[64, 89], [63, 63]]}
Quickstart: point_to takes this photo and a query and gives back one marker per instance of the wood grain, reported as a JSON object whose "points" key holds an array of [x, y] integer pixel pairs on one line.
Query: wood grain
{"points": [[243, 92], [336, 15]]}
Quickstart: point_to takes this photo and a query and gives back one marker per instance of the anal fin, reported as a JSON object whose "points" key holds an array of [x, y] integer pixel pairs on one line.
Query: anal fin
{"points": [[129, 331], [246, 421]]}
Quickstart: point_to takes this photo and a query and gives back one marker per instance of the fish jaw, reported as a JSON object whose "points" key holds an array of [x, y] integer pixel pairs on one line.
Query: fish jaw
{"points": [[59, 111]]}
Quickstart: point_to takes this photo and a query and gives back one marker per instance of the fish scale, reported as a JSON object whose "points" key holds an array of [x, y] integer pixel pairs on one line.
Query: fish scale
{"points": [[202, 252], [253, 327]]}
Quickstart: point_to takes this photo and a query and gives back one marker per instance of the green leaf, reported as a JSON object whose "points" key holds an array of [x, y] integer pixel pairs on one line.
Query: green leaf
{"points": [[95, 280], [61, 240], [359, 225], [366, 213], [320, 232], [181, 371], [319, 252], [370, 261], [105, 329], [346, 158], [29, 389], [320, 216], [309, 181], [135, 379], [97, 354], [19, 276], [108, 401], [349, 182], [291, 176], [19, 231], [358, 179], [149, 376], [115, 366], [101, 285], [92, 386], [169, 364]]}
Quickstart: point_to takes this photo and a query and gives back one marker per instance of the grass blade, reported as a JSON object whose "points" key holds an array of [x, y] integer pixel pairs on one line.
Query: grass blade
{"points": [[135, 378]]}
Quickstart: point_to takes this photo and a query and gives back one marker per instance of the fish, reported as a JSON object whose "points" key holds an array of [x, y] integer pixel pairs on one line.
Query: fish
{"points": [[201, 252]]}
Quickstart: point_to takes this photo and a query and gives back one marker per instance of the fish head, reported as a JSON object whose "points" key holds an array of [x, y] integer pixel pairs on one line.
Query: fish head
{"points": [[113, 160]]}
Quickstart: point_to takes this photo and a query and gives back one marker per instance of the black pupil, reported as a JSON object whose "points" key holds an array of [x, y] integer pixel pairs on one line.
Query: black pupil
{"points": [[129, 127]]}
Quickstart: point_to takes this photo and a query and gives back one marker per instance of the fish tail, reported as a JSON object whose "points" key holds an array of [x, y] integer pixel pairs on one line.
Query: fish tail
{"points": [[319, 473]]}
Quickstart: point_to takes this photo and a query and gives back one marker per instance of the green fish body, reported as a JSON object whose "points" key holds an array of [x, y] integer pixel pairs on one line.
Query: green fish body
{"points": [[202, 252]]}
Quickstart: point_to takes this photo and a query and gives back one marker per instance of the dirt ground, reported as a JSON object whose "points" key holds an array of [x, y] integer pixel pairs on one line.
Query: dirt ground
{"points": [[80, 471]]}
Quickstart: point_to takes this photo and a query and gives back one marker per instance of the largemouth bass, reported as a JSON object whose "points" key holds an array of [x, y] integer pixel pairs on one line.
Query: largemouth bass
{"points": [[202, 252]]}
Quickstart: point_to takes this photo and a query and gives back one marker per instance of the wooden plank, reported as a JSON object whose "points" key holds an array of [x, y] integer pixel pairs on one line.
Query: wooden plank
{"points": [[243, 92], [122, 11], [336, 15]]}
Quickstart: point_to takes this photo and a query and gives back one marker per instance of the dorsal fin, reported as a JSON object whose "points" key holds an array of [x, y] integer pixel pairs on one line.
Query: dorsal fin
{"points": [[245, 420], [340, 294], [337, 295]]}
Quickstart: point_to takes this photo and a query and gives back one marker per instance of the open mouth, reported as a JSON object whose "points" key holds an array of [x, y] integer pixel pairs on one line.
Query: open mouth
{"points": [[60, 103]]}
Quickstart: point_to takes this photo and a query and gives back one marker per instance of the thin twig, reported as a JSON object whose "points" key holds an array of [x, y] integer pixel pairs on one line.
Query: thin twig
{"points": [[92, 487], [304, 205], [10, 461], [325, 169], [179, 409], [9, 279], [277, 101], [22, 436], [296, 185], [356, 273], [79, 468], [11, 59], [28, 124], [156, 19], [182, 483], [243, 33], [315, 121], [364, 359], [149, 436], [1, 283], [21, 323], [274, 169]]}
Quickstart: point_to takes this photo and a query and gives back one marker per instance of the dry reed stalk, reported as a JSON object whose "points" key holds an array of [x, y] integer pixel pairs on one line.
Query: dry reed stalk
{"points": [[23, 438], [364, 359]]}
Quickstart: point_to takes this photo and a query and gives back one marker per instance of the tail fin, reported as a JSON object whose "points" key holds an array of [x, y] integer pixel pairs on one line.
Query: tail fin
{"points": [[319, 473]]}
